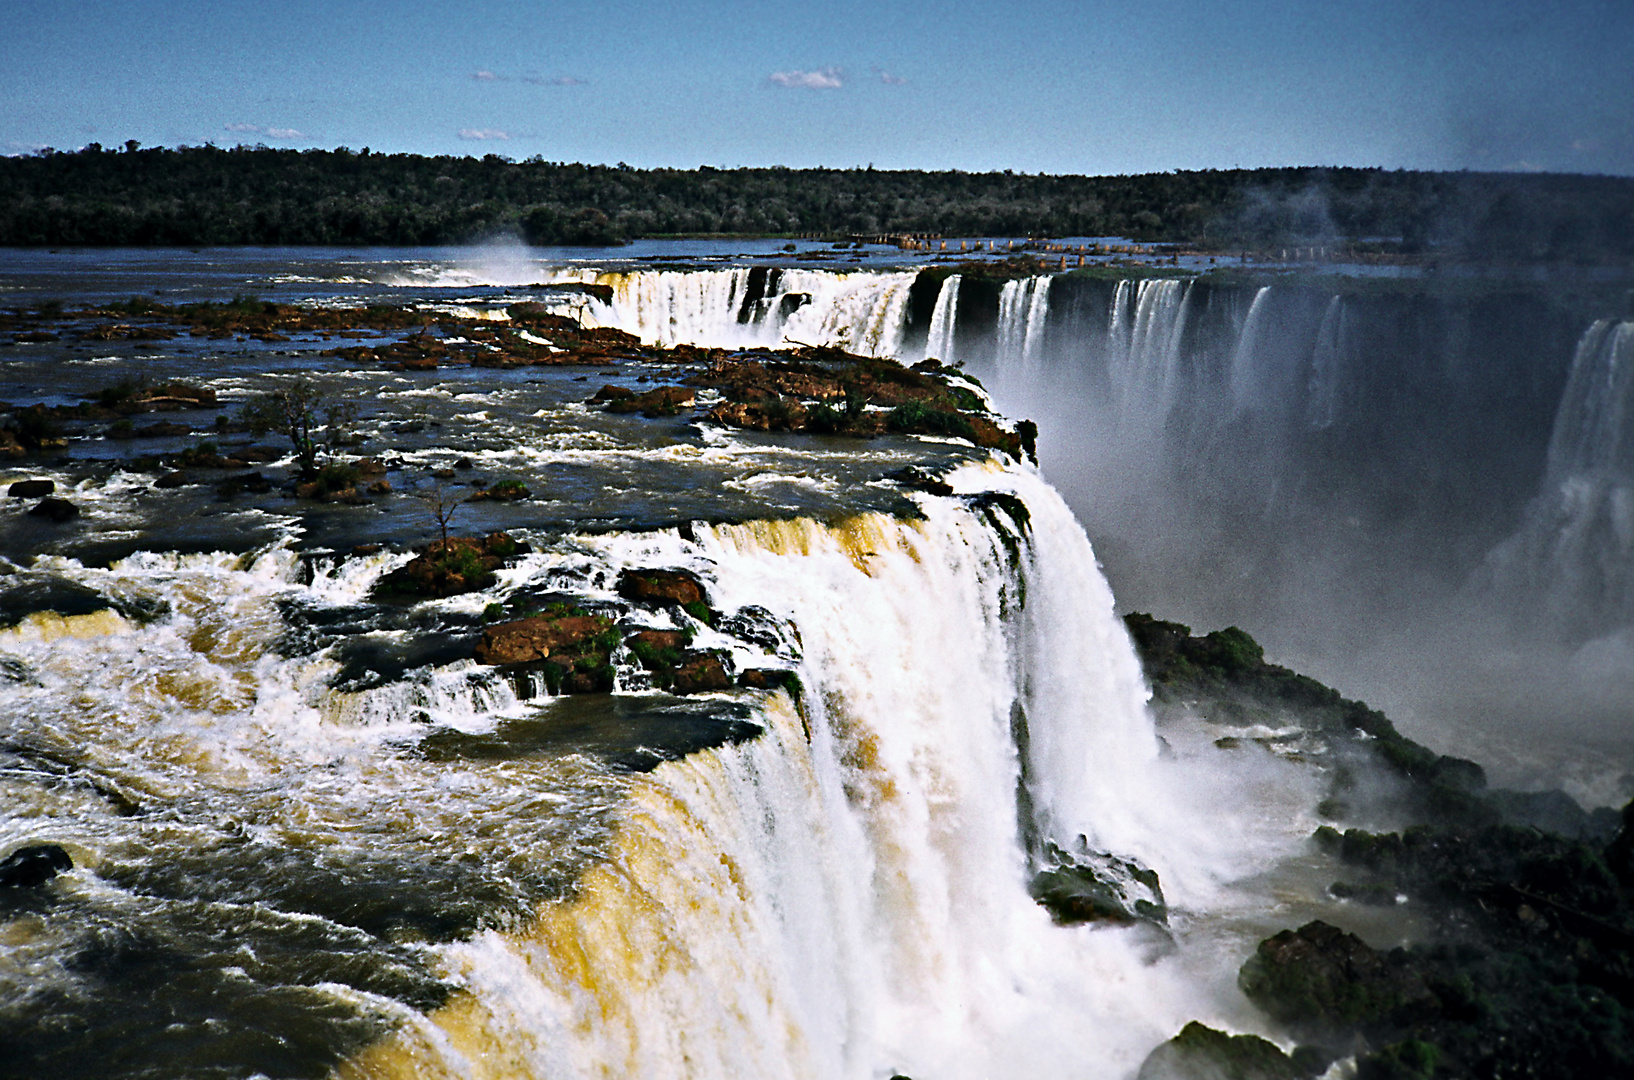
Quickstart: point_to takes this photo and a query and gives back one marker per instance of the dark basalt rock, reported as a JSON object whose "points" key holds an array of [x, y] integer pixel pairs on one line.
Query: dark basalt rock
{"points": [[251, 482], [504, 491], [163, 429], [1093, 886], [23, 595], [31, 489], [609, 393], [658, 402], [1325, 984], [33, 866], [58, 510], [1202, 1053], [920, 480]]}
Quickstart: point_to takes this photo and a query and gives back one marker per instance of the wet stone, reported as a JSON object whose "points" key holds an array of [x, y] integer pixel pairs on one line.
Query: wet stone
{"points": [[33, 866], [58, 510], [31, 489]]}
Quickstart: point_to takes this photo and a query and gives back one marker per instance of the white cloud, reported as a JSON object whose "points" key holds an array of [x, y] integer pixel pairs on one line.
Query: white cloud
{"points": [[269, 132], [483, 134], [486, 76], [888, 79], [829, 78]]}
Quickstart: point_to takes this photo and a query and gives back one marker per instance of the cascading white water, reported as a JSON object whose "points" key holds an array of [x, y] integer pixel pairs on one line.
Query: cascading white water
{"points": [[1144, 376], [1571, 564], [847, 896], [1245, 374], [865, 312], [1327, 377], [939, 341], [1023, 306]]}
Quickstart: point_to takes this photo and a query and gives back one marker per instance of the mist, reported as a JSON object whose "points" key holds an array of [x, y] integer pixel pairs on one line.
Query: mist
{"points": [[1421, 493]]}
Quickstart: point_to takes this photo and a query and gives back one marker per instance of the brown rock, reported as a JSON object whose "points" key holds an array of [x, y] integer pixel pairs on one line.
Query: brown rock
{"points": [[611, 393], [660, 401], [768, 679], [660, 639], [704, 673], [528, 640], [661, 587]]}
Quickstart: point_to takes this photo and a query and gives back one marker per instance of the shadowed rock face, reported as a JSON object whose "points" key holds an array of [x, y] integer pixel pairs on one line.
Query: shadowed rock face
{"points": [[31, 867], [1323, 982], [31, 489]]}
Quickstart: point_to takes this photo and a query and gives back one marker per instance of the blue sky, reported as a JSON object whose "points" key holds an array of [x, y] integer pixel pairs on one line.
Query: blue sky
{"points": [[1092, 87]]}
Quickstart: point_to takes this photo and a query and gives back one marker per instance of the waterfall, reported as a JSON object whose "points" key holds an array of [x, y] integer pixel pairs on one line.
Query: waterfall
{"points": [[846, 896], [1327, 376], [943, 321], [1144, 376], [864, 311], [1245, 372], [1570, 566], [1024, 304]]}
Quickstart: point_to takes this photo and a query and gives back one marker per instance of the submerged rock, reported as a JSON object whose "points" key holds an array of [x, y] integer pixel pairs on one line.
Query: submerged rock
{"points": [[33, 866]]}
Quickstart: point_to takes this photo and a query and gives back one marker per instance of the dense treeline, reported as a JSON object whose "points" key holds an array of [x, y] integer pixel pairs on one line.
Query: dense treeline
{"points": [[207, 195]]}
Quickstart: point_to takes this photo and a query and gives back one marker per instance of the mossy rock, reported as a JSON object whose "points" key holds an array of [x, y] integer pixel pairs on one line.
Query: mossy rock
{"points": [[1324, 983], [1200, 1052]]}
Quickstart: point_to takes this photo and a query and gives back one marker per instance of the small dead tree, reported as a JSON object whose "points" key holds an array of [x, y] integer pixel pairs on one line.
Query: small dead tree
{"points": [[442, 504]]}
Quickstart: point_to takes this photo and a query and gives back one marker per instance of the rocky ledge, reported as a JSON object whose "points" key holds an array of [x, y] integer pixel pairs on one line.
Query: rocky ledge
{"points": [[1528, 966]]}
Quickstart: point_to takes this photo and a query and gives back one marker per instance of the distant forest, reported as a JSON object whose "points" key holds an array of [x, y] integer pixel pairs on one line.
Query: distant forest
{"points": [[205, 195]]}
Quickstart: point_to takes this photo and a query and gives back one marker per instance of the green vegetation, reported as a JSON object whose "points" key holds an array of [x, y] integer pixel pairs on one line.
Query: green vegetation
{"points": [[917, 418], [208, 195]]}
